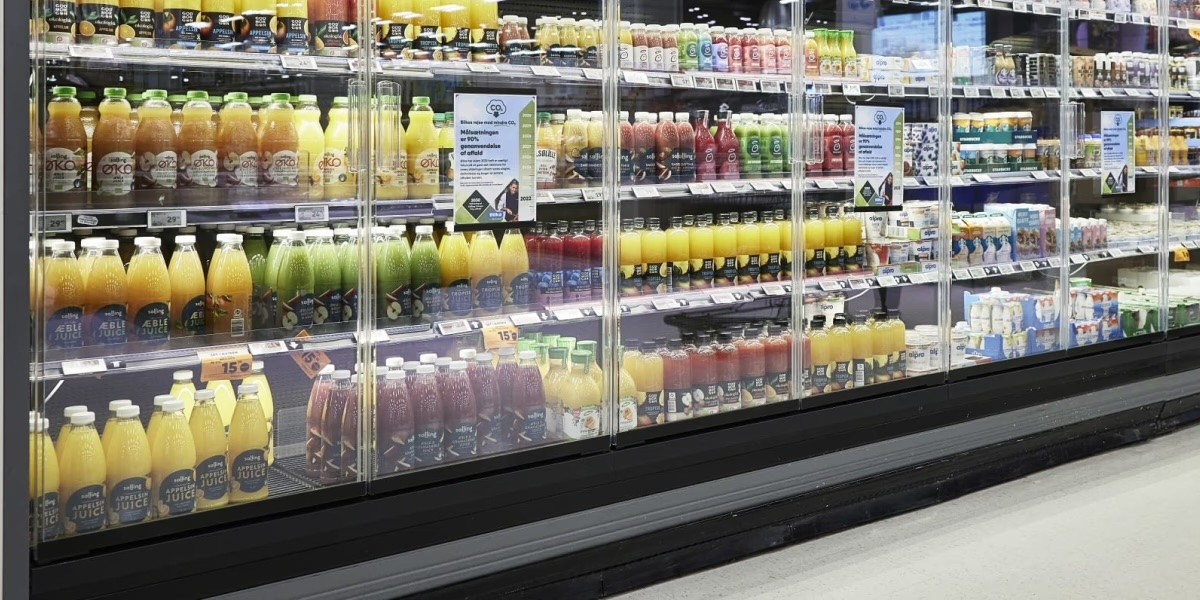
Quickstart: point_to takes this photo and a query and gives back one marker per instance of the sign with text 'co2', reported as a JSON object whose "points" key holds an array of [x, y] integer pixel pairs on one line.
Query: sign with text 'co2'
{"points": [[495, 138]]}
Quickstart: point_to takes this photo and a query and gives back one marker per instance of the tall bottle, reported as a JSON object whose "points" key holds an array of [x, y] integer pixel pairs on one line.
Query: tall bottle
{"points": [[149, 288], [654, 255], [105, 298], [577, 272], [454, 256], [318, 397], [129, 467], [778, 352], [278, 142], [546, 167], [338, 181], [770, 263], [486, 273], [514, 270], [725, 252], [700, 252], [841, 355], [427, 416], [44, 508], [393, 275], [644, 144], [728, 150], [237, 144], [342, 393], [292, 30], [678, 259], [425, 265], [112, 147], [573, 163], [155, 144], [632, 267], [197, 144], [311, 144], [529, 416], [296, 283], [212, 470], [648, 375], [82, 473], [897, 355], [348, 259], [394, 448], [683, 160], [749, 246], [230, 288], [421, 141], [819, 350], [248, 444], [705, 152], [595, 148], [677, 382], [327, 277], [459, 413], [259, 378], [666, 142], [174, 460], [861, 353], [187, 288], [814, 242], [550, 266]]}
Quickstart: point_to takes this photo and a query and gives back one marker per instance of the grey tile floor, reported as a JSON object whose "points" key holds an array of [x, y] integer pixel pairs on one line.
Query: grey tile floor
{"points": [[1125, 524]]}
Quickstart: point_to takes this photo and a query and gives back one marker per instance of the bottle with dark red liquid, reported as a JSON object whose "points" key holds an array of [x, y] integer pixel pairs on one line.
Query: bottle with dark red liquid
{"points": [[349, 433], [677, 381], [702, 360], [596, 242], [705, 148], [550, 265], [506, 383], [529, 421], [340, 391], [459, 413], [314, 447], [486, 390], [729, 372], [394, 446], [427, 416], [576, 264]]}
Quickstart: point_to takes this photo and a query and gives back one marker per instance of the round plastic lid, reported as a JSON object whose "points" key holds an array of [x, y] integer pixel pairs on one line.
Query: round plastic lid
{"points": [[206, 395], [129, 412], [297, 236], [148, 242], [83, 418], [92, 242], [425, 369], [394, 362], [185, 239], [115, 404], [458, 365], [341, 374], [527, 355], [182, 375], [424, 229], [247, 388], [69, 411], [62, 246], [162, 399], [109, 244], [394, 375], [467, 354], [428, 358], [172, 405], [483, 357]]}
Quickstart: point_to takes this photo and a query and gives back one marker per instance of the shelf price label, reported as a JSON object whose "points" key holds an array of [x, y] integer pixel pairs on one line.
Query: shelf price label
{"points": [[763, 186], [1027, 266], [724, 187], [961, 274], [1078, 259], [851, 89], [56, 223], [771, 87], [887, 281], [665, 303], [645, 191], [773, 289], [312, 213], [594, 74], [722, 298], [88, 51], [977, 272], [971, 91], [312, 362], [166, 218], [568, 314], [825, 184], [704, 82], [998, 92], [593, 194], [725, 84], [458, 327], [1039, 175], [544, 71], [896, 90], [528, 318], [1039, 9], [230, 362], [700, 189], [635, 77], [271, 347], [482, 68], [500, 335], [84, 367], [681, 80], [293, 62]]}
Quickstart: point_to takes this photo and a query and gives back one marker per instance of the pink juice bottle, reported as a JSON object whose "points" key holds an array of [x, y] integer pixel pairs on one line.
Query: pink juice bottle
{"points": [[628, 172], [596, 241], [666, 143], [394, 448], [506, 382], [702, 359], [685, 150], [706, 149], [848, 142], [460, 414], [350, 423], [427, 417], [729, 164], [533, 239], [486, 388], [550, 266], [752, 56], [729, 372], [576, 264], [529, 420], [832, 136], [340, 391], [314, 445], [736, 50], [643, 148]]}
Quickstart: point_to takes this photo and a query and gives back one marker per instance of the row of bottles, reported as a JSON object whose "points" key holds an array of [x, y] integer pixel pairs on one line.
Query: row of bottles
{"points": [[850, 354]]}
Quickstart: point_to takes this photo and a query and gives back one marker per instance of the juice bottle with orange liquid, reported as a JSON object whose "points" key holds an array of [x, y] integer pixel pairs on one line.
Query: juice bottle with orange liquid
{"points": [[749, 246], [863, 369], [149, 292], [187, 288], [63, 297], [725, 253], [197, 144], [173, 452], [421, 143], [249, 442], [291, 28], [654, 256], [44, 506], [769, 248], [546, 167], [82, 477], [852, 243], [237, 144], [333, 27], [155, 144], [104, 300], [632, 267], [216, 30], [835, 257], [785, 245], [337, 180], [127, 454], [456, 274], [112, 146], [64, 164], [841, 354], [278, 144], [679, 266], [814, 242], [819, 350], [230, 286], [208, 433], [311, 140], [485, 35], [700, 251]]}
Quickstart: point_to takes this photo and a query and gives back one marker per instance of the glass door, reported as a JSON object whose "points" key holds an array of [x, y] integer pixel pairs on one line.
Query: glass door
{"points": [[192, 255], [1182, 160]]}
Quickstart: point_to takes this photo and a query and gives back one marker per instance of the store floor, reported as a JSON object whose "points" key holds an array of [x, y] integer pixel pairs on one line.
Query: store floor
{"points": [[1120, 525]]}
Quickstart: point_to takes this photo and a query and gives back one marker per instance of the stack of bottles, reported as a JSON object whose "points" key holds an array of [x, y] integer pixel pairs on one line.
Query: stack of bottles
{"points": [[833, 241], [830, 54], [1116, 69], [697, 48], [837, 139], [843, 354]]}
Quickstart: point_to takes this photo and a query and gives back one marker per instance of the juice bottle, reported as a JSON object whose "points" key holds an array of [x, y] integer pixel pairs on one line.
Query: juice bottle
{"points": [[814, 242], [173, 474], [683, 159], [248, 444], [835, 258], [82, 476], [230, 287], [152, 426], [446, 171], [678, 257], [841, 355], [771, 135], [394, 448], [546, 167], [237, 144], [348, 260], [728, 370], [863, 370], [577, 271], [259, 378], [641, 46], [425, 266], [393, 276], [749, 249], [670, 44], [333, 26], [217, 24], [487, 288], [700, 252], [770, 56], [770, 268], [752, 52], [485, 388], [484, 19], [529, 396], [847, 122], [832, 135], [314, 454], [112, 147], [459, 413], [666, 140], [183, 390], [278, 141], [720, 50], [296, 283], [187, 288], [785, 245], [852, 243], [64, 164], [570, 53], [705, 42], [64, 295], [549, 288], [137, 23], [897, 354], [348, 424], [702, 366], [625, 43], [128, 472], [677, 382], [574, 140], [427, 416], [643, 148], [338, 181], [705, 152], [728, 150], [269, 298], [105, 296], [155, 144], [43, 482], [107, 434], [649, 380], [454, 272], [632, 267], [849, 56], [737, 51], [212, 470], [752, 362], [327, 277], [626, 173], [311, 143], [421, 142], [589, 43], [581, 399], [750, 139], [820, 351], [291, 28], [197, 143], [514, 270], [654, 255], [175, 23], [725, 253], [342, 392], [783, 50], [176, 101], [812, 55], [225, 398], [65, 431], [654, 41], [881, 346], [149, 289], [778, 351], [595, 148]]}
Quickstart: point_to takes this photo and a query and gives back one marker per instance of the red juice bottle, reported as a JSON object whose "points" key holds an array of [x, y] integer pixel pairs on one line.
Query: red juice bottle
{"points": [[778, 351], [685, 150], [459, 413], [486, 390], [752, 56], [533, 240], [529, 421], [427, 417], [550, 273], [753, 360], [628, 173], [666, 144], [702, 359], [729, 164], [729, 372], [576, 265], [677, 381], [643, 147], [832, 137], [706, 148], [394, 448], [314, 446], [506, 383], [736, 52], [340, 391], [596, 261], [806, 385], [848, 142], [350, 422]]}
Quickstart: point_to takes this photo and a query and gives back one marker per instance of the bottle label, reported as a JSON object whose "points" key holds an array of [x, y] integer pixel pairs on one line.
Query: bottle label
{"points": [[703, 273], [332, 38], [581, 422], [863, 372], [663, 164], [577, 284], [397, 454], [179, 26], [114, 174], [651, 411], [532, 426], [397, 303], [632, 279], [706, 399], [850, 67], [327, 307], [691, 51], [626, 56], [331, 450], [297, 311], [821, 378], [64, 328], [191, 317], [137, 27], [460, 441], [727, 274], [679, 277], [257, 34], [350, 305], [843, 375], [785, 265], [489, 294], [627, 173], [59, 21], [721, 56], [655, 279], [108, 325], [806, 382], [64, 169], [49, 520], [217, 29], [423, 168], [586, 164], [458, 44], [156, 171], [779, 387], [679, 404], [429, 43], [249, 471], [785, 60], [129, 501], [239, 170], [349, 457], [748, 268], [657, 58], [458, 297], [152, 322], [814, 265], [281, 168], [627, 413], [85, 510], [176, 494], [671, 59], [446, 170], [641, 58], [212, 478], [265, 310], [547, 166], [597, 281], [900, 360], [427, 299], [291, 35], [754, 392], [550, 286], [198, 169], [487, 427], [333, 166], [735, 57], [852, 257], [520, 290], [731, 394], [883, 368], [428, 445], [486, 45], [685, 163]]}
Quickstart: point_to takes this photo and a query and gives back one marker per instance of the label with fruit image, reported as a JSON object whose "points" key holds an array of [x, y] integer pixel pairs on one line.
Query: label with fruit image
{"points": [[883, 368], [264, 309], [63, 169], [780, 386], [280, 168], [291, 35], [98, 24], [58, 19], [327, 307], [545, 167], [152, 322], [198, 169], [853, 258], [655, 281], [581, 422], [460, 440], [549, 287], [238, 170], [458, 297], [397, 454], [651, 410], [731, 394], [770, 267], [350, 304], [334, 38], [843, 375], [176, 494], [806, 384], [85, 510], [489, 294], [627, 413], [727, 271], [107, 325], [427, 299], [137, 27], [156, 171], [519, 291], [333, 166], [428, 43], [212, 478], [679, 404], [814, 262], [486, 45], [395, 36], [706, 399], [821, 378], [180, 26], [397, 303], [191, 317], [332, 451], [256, 32], [632, 280], [297, 311], [114, 174], [216, 28], [754, 391], [749, 268], [45, 512], [703, 273], [64, 328], [785, 265], [531, 427], [249, 471], [900, 360], [577, 284], [679, 276], [129, 501]]}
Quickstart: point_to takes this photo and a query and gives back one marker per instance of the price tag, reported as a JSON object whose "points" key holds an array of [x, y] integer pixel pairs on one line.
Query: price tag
{"points": [[747, 85], [665, 303], [704, 82], [502, 335], [229, 362], [1039, 175], [1182, 254], [352, 65], [1120, 17], [787, 184], [896, 90], [545, 197], [1088, 173], [545, 71], [88, 51], [1039, 9], [887, 281], [971, 92], [911, 182], [681, 80], [593, 194], [725, 83], [645, 191], [1052, 93], [293, 62], [1041, 264], [313, 213], [700, 189], [851, 89], [272, 347], [722, 298], [1007, 270], [998, 92], [1027, 266], [83, 367], [482, 68], [977, 272], [1150, 169], [166, 218], [1118, 253], [1107, 92], [1077, 259], [985, 3], [956, 180], [1174, 169], [1147, 249], [1020, 7], [960, 274], [1189, 245], [825, 184], [829, 286], [594, 74], [822, 89], [568, 314], [763, 186], [982, 178], [635, 77], [377, 336], [521, 319], [1137, 18], [312, 362], [859, 284], [1037, 92], [1088, 92], [56, 223], [458, 327], [773, 289], [724, 187]]}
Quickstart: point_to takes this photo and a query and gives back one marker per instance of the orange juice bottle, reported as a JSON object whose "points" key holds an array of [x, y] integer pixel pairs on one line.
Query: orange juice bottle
{"points": [[249, 442], [725, 253], [104, 300], [654, 256], [155, 144], [82, 477], [863, 371], [278, 144], [785, 245], [700, 249], [841, 354], [632, 267], [98, 20], [769, 257], [819, 350], [485, 21], [230, 287], [197, 144], [63, 297], [208, 433], [749, 246], [291, 27], [127, 453], [173, 452], [456, 29], [456, 273], [898, 348], [237, 144], [514, 267], [421, 141], [835, 257], [112, 146], [679, 266], [881, 346], [338, 181], [312, 146], [149, 292], [814, 242], [43, 481], [852, 243], [64, 163], [187, 288]]}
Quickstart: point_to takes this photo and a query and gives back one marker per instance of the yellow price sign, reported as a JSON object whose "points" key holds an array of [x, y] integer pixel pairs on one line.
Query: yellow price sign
{"points": [[1182, 254], [234, 362], [1194, 32], [500, 336], [310, 361]]}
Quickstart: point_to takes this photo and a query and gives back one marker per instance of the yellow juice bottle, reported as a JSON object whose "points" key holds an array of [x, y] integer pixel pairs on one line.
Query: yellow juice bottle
{"points": [[187, 289], [456, 29], [546, 163], [632, 267], [814, 242], [82, 474], [595, 148], [248, 443], [881, 346], [454, 255], [835, 259], [230, 287], [627, 401], [679, 255], [152, 429], [487, 288], [898, 351], [129, 465], [106, 435], [312, 147], [819, 350], [391, 167], [554, 379], [654, 256], [98, 21], [421, 141], [44, 482], [184, 390], [225, 398], [514, 270], [770, 264], [863, 371], [446, 155], [651, 384], [64, 432], [174, 463], [785, 245], [197, 143], [485, 20], [338, 182], [278, 144], [749, 248], [149, 288], [218, 23], [852, 243], [574, 140], [212, 472], [267, 400], [841, 354], [725, 251], [292, 34], [700, 251], [105, 297], [582, 406], [428, 44], [64, 162]]}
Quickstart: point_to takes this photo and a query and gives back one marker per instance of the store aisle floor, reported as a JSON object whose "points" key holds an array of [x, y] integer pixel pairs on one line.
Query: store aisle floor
{"points": [[1120, 525]]}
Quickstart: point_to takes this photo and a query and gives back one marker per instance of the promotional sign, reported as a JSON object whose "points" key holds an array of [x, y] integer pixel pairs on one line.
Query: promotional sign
{"points": [[879, 157], [495, 138], [1116, 152]]}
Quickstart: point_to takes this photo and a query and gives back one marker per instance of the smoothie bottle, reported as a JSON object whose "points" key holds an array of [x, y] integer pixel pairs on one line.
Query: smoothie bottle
{"points": [[841, 355], [861, 352], [778, 356], [728, 151], [327, 277], [487, 288], [752, 52], [769, 249], [684, 158], [546, 167], [296, 284], [596, 260], [819, 350], [268, 296], [549, 288], [814, 242], [772, 142], [654, 40], [105, 297], [155, 144], [677, 382], [750, 140], [82, 473], [783, 50], [311, 145], [529, 418], [427, 416], [770, 56], [643, 148], [852, 243], [421, 141], [705, 148], [149, 287], [459, 413], [237, 144], [832, 136], [571, 158], [127, 454], [720, 50], [705, 42], [625, 39], [454, 256], [736, 50], [506, 381], [666, 142], [689, 48], [626, 172], [849, 56], [577, 272], [595, 144], [393, 276], [112, 147], [64, 295], [197, 144], [248, 444], [582, 415], [394, 447], [173, 476], [230, 288], [212, 470], [702, 363], [554, 379], [349, 263], [847, 124], [641, 46], [749, 249], [486, 391], [348, 424], [670, 43], [514, 270], [425, 265], [278, 144], [318, 397], [187, 288], [338, 181]]}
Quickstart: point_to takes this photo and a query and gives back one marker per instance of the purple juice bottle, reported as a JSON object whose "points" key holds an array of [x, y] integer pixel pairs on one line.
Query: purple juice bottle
{"points": [[506, 383], [340, 391], [349, 432], [529, 398], [487, 399], [314, 446], [458, 413], [394, 448], [427, 417]]}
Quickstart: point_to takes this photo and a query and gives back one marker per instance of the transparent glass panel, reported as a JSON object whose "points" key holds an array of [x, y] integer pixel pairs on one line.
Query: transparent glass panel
{"points": [[1182, 157]]}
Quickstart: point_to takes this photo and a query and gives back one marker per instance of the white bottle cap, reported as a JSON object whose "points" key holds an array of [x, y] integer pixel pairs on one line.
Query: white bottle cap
{"points": [[147, 242], [424, 229], [527, 355], [323, 233], [326, 370], [182, 375], [443, 361], [297, 236], [162, 399], [247, 388], [341, 374], [83, 418], [62, 246], [458, 365], [382, 371], [171, 406], [509, 351], [681, 117], [425, 369], [185, 239], [395, 375], [205, 395], [255, 229], [256, 366], [467, 354], [70, 411], [483, 357], [116, 404], [128, 412], [92, 242], [394, 362], [428, 358], [109, 244]]}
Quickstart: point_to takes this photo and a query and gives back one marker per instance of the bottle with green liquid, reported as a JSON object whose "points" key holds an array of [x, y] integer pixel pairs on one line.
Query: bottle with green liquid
{"points": [[393, 277], [426, 274], [327, 277], [295, 283]]}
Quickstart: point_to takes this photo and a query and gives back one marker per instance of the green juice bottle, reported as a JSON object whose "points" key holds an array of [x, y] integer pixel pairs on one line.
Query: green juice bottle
{"points": [[751, 141], [270, 292], [295, 283], [327, 277], [256, 254], [773, 154], [392, 275], [347, 245], [426, 274]]}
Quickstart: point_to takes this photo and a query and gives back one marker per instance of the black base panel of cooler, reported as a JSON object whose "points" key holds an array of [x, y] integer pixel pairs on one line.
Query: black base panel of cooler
{"points": [[878, 389], [644, 560], [1000, 366], [677, 428], [246, 553]]}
